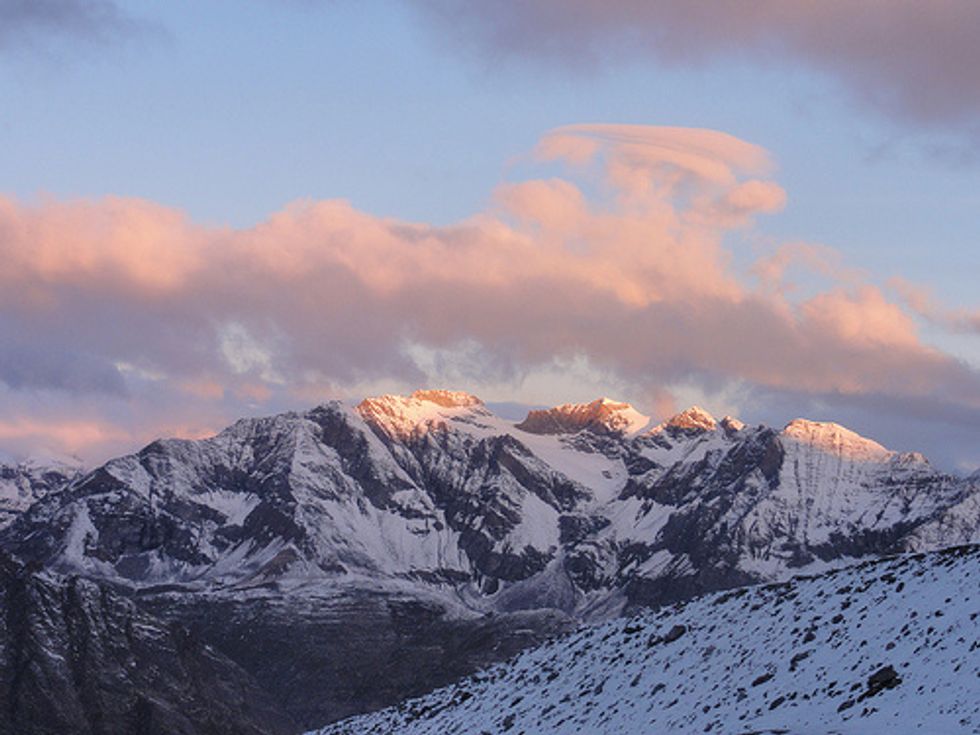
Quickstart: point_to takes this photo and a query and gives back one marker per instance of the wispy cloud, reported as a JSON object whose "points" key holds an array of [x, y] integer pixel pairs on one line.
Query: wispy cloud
{"points": [[619, 261], [921, 300]]}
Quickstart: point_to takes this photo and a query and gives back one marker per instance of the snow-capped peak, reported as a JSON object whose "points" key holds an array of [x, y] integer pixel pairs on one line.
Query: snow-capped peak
{"points": [[731, 424], [24, 481], [402, 415], [695, 418], [602, 414], [835, 439]]}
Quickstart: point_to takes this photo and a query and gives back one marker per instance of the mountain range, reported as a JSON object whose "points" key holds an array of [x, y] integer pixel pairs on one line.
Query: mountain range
{"points": [[348, 557]]}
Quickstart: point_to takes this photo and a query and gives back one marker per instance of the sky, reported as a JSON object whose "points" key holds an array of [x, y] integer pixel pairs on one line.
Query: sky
{"points": [[234, 207]]}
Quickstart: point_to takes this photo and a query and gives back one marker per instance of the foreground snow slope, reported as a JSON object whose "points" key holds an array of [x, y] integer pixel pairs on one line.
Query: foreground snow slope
{"points": [[886, 646]]}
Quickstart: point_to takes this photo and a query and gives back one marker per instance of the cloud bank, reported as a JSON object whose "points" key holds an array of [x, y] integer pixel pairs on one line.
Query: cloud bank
{"points": [[124, 318], [913, 60]]}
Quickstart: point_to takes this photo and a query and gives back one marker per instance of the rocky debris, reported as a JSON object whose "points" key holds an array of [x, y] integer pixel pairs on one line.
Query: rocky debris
{"points": [[797, 657], [884, 678]]}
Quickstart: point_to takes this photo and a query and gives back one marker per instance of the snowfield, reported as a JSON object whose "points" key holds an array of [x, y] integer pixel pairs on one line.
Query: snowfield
{"points": [[887, 646]]}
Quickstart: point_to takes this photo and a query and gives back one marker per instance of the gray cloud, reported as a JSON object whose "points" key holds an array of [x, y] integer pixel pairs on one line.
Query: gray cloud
{"points": [[32, 22], [47, 367], [913, 60]]}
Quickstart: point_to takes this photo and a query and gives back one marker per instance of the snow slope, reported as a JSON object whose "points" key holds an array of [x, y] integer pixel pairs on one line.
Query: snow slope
{"points": [[886, 646]]}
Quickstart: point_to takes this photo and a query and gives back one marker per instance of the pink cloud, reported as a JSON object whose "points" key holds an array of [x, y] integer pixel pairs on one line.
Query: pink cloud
{"points": [[125, 242], [68, 436], [774, 270], [202, 324], [922, 301], [862, 319]]}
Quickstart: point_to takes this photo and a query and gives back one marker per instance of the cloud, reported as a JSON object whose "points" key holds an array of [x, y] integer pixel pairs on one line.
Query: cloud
{"points": [[620, 262], [29, 22], [31, 366], [921, 301], [913, 60]]}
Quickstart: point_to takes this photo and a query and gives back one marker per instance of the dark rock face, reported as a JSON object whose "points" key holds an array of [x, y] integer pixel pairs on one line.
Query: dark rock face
{"points": [[322, 659], [473, 481], [75, 658]]}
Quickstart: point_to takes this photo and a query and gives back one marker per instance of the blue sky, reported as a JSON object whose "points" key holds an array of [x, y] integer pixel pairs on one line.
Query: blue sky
{"points": [[228, 111]]}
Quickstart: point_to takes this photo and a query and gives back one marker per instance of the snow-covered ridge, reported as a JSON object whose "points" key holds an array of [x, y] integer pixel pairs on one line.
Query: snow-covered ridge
{"points": [[602, 414], [887, 646]]}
